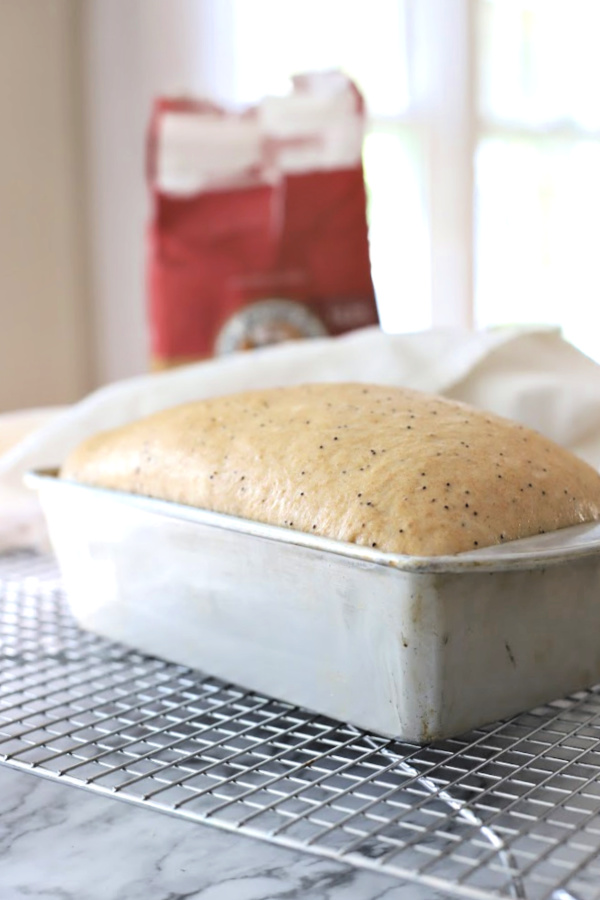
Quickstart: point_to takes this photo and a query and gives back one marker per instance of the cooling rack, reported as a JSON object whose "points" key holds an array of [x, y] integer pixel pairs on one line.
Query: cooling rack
{"points": [[507, 811]]}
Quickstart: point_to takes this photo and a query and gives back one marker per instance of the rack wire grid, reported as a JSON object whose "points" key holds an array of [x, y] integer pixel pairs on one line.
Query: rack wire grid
{"points": [[507, 811]]}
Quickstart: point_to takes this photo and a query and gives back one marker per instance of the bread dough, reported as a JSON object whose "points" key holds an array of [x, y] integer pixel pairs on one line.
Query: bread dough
{"points": [[382, 467]]}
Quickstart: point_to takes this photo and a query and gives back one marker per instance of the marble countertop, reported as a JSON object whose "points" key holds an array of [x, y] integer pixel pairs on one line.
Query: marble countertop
{"points": [[59, 842]]}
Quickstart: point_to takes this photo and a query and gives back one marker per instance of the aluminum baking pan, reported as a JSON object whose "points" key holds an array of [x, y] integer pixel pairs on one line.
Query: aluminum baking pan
{"points": [[413, 647]]}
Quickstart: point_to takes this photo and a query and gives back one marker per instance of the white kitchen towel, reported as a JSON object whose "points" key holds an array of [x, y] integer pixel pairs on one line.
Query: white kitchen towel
{"points": [[530, 375]]}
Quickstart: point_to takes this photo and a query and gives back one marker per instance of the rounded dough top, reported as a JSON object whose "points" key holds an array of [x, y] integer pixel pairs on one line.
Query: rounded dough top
{"points": [[382, 467]]}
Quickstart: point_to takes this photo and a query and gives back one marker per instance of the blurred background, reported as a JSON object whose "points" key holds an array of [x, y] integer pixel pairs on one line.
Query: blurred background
{"points": [[482, 161]]}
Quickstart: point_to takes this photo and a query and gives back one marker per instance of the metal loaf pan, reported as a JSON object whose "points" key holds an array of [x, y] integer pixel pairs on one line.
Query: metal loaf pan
{"points": [[410, 647]]}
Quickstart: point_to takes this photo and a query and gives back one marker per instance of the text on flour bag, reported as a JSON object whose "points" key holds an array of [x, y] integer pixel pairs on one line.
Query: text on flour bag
{"points": [[258, 230]]}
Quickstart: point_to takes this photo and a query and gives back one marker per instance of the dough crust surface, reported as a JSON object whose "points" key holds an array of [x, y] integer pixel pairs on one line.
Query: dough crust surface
{"points": [[378, 466]]}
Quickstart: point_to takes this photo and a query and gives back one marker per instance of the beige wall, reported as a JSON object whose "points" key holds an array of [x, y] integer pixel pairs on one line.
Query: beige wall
{"points": [[77, 79], [43, 301]]}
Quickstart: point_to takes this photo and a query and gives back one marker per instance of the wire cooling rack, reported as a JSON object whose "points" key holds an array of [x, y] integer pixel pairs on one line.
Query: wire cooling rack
{"points": [[507, 811]]}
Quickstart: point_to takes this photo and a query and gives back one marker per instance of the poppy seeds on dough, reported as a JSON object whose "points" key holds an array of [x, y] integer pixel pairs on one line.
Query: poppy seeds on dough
{"points": [[399, 482]]}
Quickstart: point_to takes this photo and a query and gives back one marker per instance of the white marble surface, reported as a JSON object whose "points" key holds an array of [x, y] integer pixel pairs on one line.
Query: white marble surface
{"points": [[58, 842]]}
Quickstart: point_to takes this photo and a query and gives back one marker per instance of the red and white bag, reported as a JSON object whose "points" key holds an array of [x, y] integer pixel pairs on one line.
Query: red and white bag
{"points": [[258, 229]]}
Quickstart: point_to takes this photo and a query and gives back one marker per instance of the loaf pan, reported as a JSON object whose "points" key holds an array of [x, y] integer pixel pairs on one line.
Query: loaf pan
{"points": [[418, 648]]}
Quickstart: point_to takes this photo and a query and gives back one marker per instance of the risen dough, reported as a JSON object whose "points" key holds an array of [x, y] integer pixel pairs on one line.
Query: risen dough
{"points": [[378, 466]]}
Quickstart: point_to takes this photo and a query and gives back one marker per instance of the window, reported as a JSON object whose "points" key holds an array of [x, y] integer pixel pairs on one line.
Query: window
{"points": [[482, 156], [538, 166]]}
